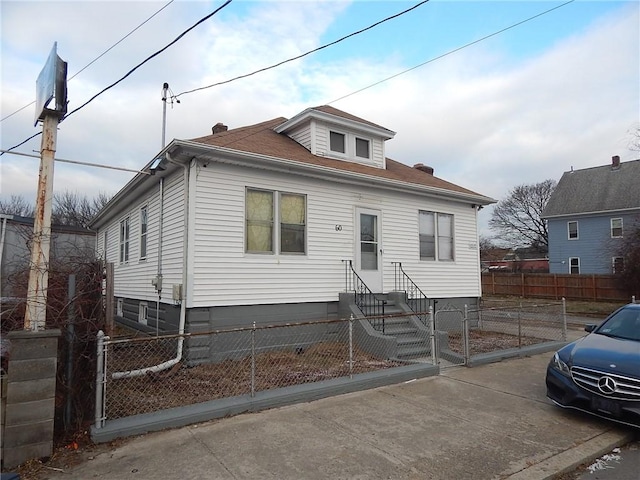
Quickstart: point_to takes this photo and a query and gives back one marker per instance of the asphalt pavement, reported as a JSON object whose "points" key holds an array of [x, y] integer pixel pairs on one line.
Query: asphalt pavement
{"points": [[486, 422]]}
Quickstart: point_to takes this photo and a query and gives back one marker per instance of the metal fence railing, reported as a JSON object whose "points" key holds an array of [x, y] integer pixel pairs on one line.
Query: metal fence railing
{"points": [[146, 374], [224, 363]]}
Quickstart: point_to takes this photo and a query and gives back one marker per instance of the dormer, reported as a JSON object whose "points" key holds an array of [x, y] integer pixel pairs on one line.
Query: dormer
{"points": [[328, 132]]}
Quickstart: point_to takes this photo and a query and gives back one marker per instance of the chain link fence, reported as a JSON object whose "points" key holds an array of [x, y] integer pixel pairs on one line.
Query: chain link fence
{"points": [[142, 375], [146, 374]]}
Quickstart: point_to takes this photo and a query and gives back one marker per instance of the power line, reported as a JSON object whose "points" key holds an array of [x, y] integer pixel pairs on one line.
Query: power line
{"points": [[99, 56], [203, 19], [305, 54], [21, 143], [451, 51]]}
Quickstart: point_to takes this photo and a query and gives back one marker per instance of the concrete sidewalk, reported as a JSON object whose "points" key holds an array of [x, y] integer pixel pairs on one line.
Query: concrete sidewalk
{"points": [[487, 422]]}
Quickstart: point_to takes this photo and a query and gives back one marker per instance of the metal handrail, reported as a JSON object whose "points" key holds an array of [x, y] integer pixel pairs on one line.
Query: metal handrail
{"points": [[366, 301], [416, 299]]}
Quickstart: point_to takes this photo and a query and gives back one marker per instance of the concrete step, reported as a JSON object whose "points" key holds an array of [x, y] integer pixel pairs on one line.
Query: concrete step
{"points": [[413, 352]]}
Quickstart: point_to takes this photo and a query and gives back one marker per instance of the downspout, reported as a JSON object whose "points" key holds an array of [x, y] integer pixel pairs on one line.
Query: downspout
{"points": [[183, 305], [159, 274]]}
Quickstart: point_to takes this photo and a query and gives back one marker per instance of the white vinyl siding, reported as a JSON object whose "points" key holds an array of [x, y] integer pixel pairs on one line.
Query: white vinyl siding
{"points": [[302, 135], [223, 274], [133, 279]]}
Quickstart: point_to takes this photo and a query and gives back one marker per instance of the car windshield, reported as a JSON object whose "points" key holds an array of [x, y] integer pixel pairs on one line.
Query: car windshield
{"points": [[625, 323]]}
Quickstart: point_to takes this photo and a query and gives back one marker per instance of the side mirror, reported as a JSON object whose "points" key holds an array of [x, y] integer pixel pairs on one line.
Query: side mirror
{"points": [[590, 327]]}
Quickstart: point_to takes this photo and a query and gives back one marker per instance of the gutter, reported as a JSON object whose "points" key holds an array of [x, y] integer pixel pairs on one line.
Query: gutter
{"points": [[183, 305]]}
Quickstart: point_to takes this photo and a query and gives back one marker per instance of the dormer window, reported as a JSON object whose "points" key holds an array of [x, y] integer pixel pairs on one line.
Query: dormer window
{"points": [[337, 142], [362, 148]]}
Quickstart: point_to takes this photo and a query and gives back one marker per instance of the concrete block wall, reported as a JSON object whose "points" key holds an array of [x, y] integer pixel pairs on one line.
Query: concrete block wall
{"points": [[30, 401]]}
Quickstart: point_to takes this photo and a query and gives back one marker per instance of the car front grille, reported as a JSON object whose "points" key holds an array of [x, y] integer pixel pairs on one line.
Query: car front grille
{"points": [[622, 388]]}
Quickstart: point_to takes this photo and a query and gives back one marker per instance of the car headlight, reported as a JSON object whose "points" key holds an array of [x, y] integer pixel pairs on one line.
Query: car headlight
{"points": [[560, 366]]}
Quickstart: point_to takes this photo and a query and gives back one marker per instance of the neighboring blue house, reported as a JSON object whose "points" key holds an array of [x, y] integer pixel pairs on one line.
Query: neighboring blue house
{"points": [[588, 214]]}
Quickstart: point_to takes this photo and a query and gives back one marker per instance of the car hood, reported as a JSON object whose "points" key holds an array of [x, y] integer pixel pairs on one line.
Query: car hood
{"points": [[606, 354]]}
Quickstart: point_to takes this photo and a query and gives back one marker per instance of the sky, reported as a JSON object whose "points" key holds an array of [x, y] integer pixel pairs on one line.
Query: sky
{"points": [[520, 106]]}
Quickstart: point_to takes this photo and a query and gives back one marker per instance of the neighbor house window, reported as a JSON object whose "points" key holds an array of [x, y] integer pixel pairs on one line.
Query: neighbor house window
{"points": [[259, 218], [573, 230], [616, 227], [574, 265], [617, 264], [337, 142], [292, 223], [436, 236], [143, 232], [362, 148], [143, 313], [124, 240]]}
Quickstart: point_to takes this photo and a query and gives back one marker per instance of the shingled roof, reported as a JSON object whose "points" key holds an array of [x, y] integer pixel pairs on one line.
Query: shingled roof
{"points": [[607, 188], [262, 139]]}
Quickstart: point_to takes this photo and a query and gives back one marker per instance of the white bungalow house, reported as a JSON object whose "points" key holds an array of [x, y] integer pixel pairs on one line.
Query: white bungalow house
{"points": [[273, 222]]}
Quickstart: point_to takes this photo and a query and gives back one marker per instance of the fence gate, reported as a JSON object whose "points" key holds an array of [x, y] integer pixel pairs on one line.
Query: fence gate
{"points": [[452, 341]]}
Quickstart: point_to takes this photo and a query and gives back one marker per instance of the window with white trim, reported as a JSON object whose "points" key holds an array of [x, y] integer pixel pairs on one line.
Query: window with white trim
{"points": [[143, 313], [143, 232], [124, 240], [337, 142], [617, 265], [616, 227], [572, 229], [120, 307], [574, 265], [362, 148], [436, 236], [262, 214]]}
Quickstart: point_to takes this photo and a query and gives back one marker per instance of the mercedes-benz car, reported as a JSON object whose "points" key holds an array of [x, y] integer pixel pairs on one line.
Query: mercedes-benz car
{"points": [[600, 373]]}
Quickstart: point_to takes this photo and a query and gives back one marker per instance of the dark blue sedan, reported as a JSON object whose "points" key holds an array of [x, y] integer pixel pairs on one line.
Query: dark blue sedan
{"points": [[600, 373]]}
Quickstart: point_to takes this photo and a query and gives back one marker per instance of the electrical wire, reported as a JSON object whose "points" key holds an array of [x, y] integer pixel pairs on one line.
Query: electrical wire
{"points": [[305, 54], [99, 56], [129, 72], [451, 52], [203, 19]]}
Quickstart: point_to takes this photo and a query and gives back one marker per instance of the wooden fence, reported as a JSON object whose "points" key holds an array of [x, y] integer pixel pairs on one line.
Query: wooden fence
{"points": [[557, 286]]}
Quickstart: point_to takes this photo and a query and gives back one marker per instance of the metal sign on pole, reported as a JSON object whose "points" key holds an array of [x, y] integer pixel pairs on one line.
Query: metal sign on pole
{"points": [[52, 82]]}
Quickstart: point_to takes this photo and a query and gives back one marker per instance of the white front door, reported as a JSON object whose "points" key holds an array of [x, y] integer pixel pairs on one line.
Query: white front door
{"points": [[368, 264]]}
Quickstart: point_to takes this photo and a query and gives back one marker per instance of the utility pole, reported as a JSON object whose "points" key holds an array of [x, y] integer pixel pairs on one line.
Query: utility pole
{"points": [[165, 88], [52, 82]]}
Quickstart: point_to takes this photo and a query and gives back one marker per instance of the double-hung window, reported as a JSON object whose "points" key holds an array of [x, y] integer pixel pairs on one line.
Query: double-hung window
{"points": [[574, 265], [616, 227], [263, 214], [362, 148], [617, 265], [124, 240], [436, 236], [337, 142], [572, 229], [143, 232]]}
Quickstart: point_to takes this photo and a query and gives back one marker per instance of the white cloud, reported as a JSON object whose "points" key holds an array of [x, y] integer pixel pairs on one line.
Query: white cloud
{"points": [[480, 118]]}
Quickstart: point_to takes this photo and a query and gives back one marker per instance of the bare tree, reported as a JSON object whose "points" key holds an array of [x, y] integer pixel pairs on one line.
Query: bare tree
{"points": [[69, 208], [16, 205], [634, 141], [629, 250], [517, 218]]}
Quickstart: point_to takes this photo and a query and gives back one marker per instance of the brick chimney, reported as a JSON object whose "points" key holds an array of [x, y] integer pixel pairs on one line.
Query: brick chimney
{"points": [[219, 128], [615, 162], [423, 168]]}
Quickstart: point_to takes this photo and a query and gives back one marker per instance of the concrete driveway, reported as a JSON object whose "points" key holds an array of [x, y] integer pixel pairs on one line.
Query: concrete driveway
{"points": [[486, 422]]}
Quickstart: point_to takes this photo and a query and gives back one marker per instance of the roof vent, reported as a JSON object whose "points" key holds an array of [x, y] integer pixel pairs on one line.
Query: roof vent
{"points": [[219, 128], [615, 162], [423, 168]]}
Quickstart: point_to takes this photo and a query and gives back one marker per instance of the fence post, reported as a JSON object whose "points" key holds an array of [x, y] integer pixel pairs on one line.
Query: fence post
{"points": [[432, 322], [520, 326], [351, 346], [253, 360], [564, 320], [100, 381], [465, 327], [71, 293]]}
